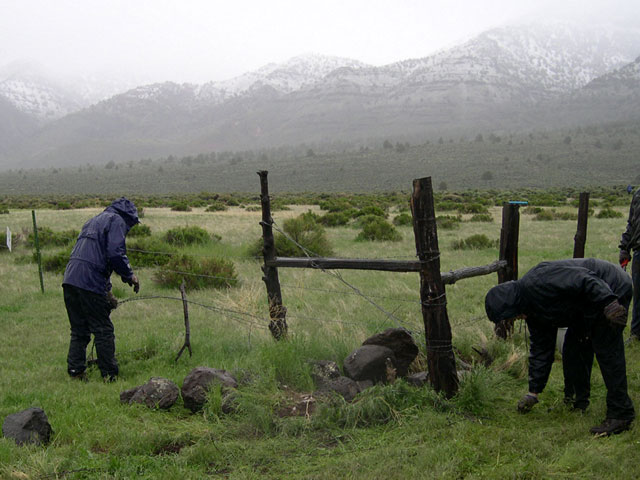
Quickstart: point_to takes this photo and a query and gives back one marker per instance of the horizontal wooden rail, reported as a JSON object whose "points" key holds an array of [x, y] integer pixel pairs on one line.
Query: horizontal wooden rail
{"points": [[382, 265]]}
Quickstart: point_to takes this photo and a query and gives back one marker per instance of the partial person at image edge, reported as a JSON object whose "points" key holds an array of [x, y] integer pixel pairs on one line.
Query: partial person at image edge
{"points": [[630, 242], [99, 250]]}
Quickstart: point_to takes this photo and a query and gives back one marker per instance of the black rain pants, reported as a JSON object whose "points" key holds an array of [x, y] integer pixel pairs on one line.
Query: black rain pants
{"points": [[89, 314]]}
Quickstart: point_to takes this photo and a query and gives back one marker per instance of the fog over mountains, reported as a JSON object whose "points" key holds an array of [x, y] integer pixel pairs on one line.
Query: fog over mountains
{"points": [[505, 80]]}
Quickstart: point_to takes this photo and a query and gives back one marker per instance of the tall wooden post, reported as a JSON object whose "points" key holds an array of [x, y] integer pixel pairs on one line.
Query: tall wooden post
{"points": [[36, 242], [440, 357], [580, 238], [277, 312], [509, 234]]}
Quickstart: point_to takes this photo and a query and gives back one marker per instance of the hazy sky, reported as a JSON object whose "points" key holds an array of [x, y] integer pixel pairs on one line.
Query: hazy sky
{"points": [[202, 40]]}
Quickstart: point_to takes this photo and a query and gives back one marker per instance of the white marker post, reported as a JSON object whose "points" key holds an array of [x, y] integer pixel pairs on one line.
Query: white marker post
{"points": [[8, 239]]}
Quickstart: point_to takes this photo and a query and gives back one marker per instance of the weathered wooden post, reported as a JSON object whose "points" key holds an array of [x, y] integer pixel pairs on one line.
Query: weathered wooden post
{"points": [[277, 312], [580, 238], [509, 234], [440, 357], [36, 242], [187, 327]]}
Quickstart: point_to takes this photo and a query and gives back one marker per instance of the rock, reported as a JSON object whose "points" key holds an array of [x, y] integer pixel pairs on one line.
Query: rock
{"points": [[368, 362], [418, 379], [323, 371], [30, 426], [345, 386], [158, 392], [401, 343], [197, 384]]}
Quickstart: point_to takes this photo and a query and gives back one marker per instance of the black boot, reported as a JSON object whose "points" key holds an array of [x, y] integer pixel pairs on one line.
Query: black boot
{"points": [[611, 426]]}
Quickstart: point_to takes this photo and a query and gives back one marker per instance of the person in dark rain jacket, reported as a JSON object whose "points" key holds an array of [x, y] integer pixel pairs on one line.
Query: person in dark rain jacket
{"points": [[589, 296], [99, 250], [630, 241]]}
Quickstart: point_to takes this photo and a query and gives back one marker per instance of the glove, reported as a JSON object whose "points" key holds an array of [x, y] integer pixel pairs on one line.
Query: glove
{"points": [[134, 282], [616, 314], [624, 258], [526, 403], [113, 301]]}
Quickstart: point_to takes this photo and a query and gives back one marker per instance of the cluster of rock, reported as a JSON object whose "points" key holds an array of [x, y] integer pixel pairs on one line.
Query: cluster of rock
{"points": [[162, 393], [381, 359]]}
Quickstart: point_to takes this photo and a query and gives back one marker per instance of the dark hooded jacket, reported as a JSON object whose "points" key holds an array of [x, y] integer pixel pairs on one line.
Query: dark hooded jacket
{"points": [[564, 293], [631, 237], [101, 250]]}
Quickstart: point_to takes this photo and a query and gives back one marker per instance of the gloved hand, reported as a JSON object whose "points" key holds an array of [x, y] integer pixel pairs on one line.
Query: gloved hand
{"points": [[624, 258], [526, 403], [113, 301], [135, 283], [616, 314]]}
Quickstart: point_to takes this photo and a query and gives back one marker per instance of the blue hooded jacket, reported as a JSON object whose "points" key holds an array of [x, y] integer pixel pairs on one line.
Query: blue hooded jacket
{"points": [[101, 250]]}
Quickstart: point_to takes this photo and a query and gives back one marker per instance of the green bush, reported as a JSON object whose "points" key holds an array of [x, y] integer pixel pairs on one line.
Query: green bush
{"points": [[182, 236], [475, 242], [471, 208], [403, 219], [49, 238], [378, 229], [448, 222], [54, 263], [139, 230], [199, 273], [544, 216], [216, 207], [608, 213], [336, 205], [306, 231], [532, 210], [149, 252], [481, 217], [180, 207], [4, 210], [335, 219]]}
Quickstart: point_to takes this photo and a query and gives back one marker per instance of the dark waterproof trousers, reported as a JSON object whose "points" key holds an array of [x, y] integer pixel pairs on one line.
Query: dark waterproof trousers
{"points": [[607, 344], [635, 278], [89, 314]]}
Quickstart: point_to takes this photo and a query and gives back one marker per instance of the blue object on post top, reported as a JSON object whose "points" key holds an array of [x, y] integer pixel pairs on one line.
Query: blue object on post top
{"points": [[518, 202]]}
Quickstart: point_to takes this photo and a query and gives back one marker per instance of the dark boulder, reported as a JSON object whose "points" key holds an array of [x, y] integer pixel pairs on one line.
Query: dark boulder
{"points": [[401, 343], [156, 393], [369, 362], [196, 385], [30, 426]]}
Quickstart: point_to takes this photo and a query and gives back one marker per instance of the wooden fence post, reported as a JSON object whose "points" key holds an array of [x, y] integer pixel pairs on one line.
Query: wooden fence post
{"points": [[37, 245], [277, 312], [509, 234], [580, 238], [440, 357]]}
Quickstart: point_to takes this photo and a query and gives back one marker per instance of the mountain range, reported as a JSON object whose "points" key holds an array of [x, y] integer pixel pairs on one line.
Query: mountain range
{"points": [[508, 79]]}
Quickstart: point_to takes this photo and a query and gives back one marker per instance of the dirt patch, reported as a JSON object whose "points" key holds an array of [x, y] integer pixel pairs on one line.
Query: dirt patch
{"points": [[297, 405]]}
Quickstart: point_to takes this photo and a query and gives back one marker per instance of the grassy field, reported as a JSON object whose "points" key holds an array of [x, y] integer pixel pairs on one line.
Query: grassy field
{"points": [[392, 431]]}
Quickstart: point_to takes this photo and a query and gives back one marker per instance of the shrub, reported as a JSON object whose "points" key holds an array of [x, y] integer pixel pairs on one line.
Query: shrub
{"points": [[608, 213], [544, 215], [49, 238], [371, 210], [149, 252], [63, 206], [335, 205], [403, 219], [471, 208], [378, 229], [203, 273], [180, 207], [448, 222], [4, 210], [532, 210], [335, 219], [306, 231], [139, 230], [181, 236], [216, 207], [481, 217], [475, 242], [54, 263]]}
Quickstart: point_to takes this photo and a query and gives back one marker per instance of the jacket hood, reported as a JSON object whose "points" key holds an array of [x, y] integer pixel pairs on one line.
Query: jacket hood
{"points": [[126, 209], [503, 301]]}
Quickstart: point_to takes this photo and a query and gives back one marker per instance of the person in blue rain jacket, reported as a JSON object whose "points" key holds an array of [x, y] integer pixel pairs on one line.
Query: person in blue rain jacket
{"points": [[99, 250]]}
